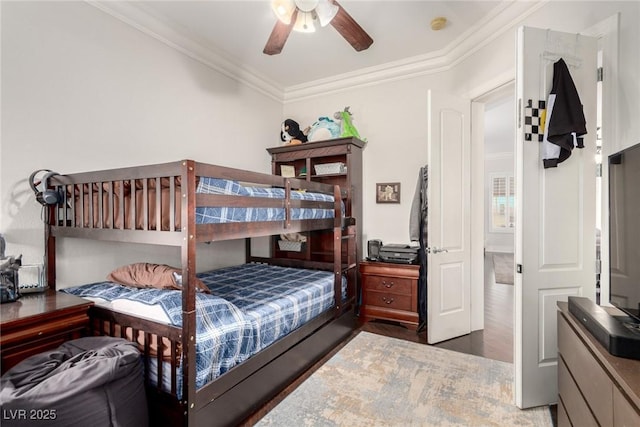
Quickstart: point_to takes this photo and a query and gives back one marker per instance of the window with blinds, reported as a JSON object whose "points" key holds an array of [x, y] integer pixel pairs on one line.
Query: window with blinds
{"points": [[502, 203]]}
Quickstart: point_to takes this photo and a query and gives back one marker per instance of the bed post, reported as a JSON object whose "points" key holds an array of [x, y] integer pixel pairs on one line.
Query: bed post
{"points": [[188, 187], [49, 248], [337, 250], [247, 250]]}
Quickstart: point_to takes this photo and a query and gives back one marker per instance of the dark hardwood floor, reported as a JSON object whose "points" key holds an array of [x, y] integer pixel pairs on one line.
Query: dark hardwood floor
{"points": [[494, 342]]}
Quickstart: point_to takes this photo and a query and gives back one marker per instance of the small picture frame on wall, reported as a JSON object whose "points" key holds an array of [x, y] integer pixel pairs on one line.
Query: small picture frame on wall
{"points": [[388, 192]]}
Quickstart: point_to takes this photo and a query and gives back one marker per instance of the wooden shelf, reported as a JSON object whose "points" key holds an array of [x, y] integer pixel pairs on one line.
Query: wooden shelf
{"points": [[304, 157], [347, 151]]}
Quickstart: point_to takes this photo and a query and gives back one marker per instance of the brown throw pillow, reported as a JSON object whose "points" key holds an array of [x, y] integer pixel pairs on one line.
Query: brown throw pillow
{"points": [[147, 275]]}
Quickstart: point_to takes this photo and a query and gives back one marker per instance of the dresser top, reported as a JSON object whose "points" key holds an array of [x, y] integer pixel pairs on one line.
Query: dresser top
{"points": [[317, 144], [33, 306], [626, 372]]}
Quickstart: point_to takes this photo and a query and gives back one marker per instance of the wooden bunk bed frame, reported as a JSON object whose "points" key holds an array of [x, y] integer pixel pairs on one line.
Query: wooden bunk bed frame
{"points": [[235, 395]]}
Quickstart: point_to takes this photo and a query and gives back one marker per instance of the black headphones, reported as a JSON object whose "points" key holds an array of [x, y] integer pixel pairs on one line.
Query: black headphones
{"points": [[47, 196]]}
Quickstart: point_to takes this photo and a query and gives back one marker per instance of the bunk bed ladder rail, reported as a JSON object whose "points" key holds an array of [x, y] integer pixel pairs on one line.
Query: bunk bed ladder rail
{"points": [[337, 250], [188, 254]]}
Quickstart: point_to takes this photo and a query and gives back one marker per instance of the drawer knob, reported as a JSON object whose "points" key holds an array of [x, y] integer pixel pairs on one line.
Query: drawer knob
{"points": [[387, 300], [387, 285]]}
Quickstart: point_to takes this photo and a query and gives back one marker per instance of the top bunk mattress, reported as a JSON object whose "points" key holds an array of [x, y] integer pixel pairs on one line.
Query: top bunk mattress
{"points": [[216, 215], [108, 213]]}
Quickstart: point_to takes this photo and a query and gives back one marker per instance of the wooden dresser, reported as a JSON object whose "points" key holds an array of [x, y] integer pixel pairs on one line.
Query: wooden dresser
{"points": [[595, 388], [40, 322], [390, 292]]}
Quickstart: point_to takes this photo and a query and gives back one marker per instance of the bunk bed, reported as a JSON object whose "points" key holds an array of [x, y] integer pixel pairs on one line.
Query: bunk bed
{"points": [[186, 203]]}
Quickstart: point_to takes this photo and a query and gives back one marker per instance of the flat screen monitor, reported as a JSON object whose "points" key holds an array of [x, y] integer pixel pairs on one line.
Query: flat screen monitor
{"points": [[624, 230]]}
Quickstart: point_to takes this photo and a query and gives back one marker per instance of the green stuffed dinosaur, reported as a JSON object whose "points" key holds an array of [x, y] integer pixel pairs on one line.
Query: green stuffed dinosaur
{"points": [[346, 125]]}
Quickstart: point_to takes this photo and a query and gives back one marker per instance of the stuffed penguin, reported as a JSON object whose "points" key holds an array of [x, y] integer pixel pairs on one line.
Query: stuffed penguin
{"points": [[291, 133]]}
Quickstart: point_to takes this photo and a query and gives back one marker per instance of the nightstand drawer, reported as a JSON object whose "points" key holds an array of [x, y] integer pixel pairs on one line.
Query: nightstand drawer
{"points": [[394, 285], [388, 300]]}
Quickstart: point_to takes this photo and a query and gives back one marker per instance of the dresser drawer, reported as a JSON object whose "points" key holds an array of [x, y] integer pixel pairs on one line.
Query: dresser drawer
{"points": [[591, 379], [624, 414], [394, 285], [388, 300], [572, 399], [563, 418]]}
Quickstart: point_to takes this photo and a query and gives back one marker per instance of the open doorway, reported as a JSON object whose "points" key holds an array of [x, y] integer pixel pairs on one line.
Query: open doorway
{"points": [[492, 330], [499, 223]]}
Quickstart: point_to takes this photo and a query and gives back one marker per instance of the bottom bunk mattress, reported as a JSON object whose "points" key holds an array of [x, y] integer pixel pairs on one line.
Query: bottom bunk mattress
{"points": [[276, 300], [250, 307]]}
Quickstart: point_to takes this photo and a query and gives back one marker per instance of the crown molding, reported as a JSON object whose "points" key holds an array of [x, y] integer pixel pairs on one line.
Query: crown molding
{"points": [[503, 18], [198, 50]]}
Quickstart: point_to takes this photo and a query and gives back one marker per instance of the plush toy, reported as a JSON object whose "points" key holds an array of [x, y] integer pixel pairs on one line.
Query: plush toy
{"points": [[291, 133], [323, 128], [346, 127]]}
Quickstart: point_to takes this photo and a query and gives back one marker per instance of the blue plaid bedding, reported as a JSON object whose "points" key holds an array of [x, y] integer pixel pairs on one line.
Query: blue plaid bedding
{"points": [[224, 336], [276, 300], [252, 306], [208, 215]]}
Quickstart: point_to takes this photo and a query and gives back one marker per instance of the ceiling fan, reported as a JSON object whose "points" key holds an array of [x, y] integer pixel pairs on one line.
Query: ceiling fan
{"points": [[304, 15]]}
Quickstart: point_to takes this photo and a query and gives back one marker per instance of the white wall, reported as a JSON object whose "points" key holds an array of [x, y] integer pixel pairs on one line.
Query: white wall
{"points": [[84, 91], [392, 115]]}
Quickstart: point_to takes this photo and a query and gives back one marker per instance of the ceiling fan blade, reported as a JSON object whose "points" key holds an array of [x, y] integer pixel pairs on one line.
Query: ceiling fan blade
{"points": [[350, 29], [279, 35]]}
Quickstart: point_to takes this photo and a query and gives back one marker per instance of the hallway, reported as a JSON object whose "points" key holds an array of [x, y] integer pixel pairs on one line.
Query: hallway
{"points": [[495, 341]]}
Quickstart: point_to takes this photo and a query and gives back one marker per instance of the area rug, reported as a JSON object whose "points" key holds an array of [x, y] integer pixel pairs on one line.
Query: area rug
{"points": [[381, 381], [503, 268]]}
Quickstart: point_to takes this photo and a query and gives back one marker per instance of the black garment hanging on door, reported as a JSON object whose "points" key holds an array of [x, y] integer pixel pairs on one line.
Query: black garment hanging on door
{"points": [[418, 232], [566, 123]]}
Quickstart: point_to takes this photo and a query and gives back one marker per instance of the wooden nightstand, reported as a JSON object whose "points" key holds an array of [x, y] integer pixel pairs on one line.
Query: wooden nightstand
{"points": [[390, 292], [40, 322]]}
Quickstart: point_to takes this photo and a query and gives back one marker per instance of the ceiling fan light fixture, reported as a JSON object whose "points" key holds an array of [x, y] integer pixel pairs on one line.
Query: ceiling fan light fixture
{"points": [[283, 9], [304, 22], [306, 5], [326, 11], [303, 18]]}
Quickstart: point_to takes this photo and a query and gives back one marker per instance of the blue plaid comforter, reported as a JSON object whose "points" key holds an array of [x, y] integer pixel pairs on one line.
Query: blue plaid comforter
{"points": [[252, 306], [208, 215], [224, 336], [276, 300]]}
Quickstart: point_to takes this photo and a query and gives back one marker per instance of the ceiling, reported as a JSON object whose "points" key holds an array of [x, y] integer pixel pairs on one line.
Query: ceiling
{"points": [[232, 34]]}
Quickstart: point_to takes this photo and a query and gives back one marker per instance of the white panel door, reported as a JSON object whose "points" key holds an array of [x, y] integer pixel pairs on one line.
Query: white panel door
{"points": [[555, 218], [449, 196]]}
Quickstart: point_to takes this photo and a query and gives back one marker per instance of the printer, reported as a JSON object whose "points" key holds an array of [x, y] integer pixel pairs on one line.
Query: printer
{"points": [[398, 253]]}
